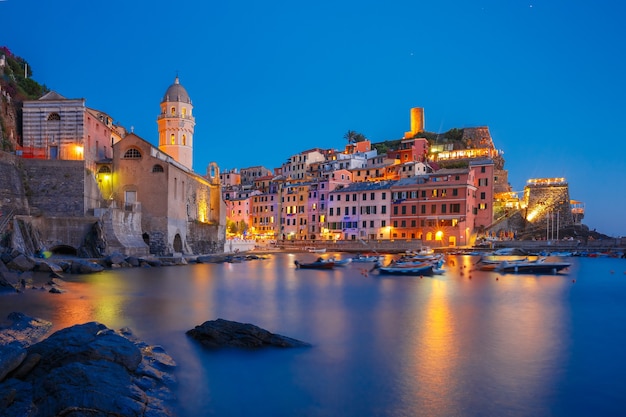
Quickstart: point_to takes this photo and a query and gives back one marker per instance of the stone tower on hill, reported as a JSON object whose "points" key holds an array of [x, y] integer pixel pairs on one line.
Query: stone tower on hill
{"points": [[176, 125]]}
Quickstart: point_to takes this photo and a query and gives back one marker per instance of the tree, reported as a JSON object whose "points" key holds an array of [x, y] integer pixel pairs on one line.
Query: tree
{"points": [[353, 137], [350, 136]]}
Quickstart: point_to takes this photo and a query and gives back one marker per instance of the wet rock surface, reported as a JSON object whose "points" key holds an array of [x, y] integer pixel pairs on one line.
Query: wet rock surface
{"points": [[83, 370], [224, 333]]}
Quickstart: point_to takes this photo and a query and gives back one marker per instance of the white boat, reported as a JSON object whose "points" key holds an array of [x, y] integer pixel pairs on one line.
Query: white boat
{"points": [[539, 266], [315, 250], [340, 262]]}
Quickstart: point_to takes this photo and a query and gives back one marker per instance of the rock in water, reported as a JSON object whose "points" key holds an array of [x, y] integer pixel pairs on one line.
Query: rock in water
{"points": [[225, 333], [89, 370]]}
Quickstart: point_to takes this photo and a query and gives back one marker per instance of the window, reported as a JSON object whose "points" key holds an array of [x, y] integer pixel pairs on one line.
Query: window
{"points": [[54, 117], [157, 168], [423, 209], [172, 139], [433, 209], [483, 196], [184, 140], [173, 111], [482, 206], [413, 209], [395, 210], [403, 209], [104, 170], [383, 209], [443, 209], [455, 192], [384, 196], [482, 169], [132, 153]]}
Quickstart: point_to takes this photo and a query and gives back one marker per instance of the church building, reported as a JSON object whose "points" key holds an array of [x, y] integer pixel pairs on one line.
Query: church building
{"points": [[181, 211]]}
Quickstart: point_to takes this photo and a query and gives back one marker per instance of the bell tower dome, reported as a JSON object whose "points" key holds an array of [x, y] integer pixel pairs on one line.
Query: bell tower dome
{"points": [[176, 124]]}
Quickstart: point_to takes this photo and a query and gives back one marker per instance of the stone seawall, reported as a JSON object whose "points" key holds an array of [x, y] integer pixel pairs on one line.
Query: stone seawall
{"points": [[12, 193], [54, 187]]}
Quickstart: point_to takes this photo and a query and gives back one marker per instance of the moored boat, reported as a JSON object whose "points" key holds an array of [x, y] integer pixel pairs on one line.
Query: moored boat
{"points": [[366, 258], [413, 270], [312, 249], [318, 264], [539, 266], [340, 262]]}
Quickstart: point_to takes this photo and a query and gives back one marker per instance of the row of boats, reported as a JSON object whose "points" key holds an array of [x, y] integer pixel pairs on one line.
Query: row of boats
{"points": [[415, 264], [428, 263]]}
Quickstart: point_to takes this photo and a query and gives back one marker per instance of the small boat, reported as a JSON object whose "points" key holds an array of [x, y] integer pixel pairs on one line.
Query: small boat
{"points": [[340, 262], [319, 264], [414, 270], [366, 258], [312, 249], [539, 266]]}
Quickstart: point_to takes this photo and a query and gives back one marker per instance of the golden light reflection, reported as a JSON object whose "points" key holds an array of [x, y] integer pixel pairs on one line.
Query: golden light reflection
{"points": [[433, 356]]}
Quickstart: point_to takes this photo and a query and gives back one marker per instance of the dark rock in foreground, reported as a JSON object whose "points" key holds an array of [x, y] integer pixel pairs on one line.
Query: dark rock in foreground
{"points": [[87, 370], [225, 333]]}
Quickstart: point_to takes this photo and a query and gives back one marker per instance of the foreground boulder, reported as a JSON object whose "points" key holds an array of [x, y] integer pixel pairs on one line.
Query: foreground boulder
{"points": [[89, 370], [225, 333]]}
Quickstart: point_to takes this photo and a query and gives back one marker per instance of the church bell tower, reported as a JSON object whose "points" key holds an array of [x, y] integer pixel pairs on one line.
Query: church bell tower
{"points": [[176, 125]]}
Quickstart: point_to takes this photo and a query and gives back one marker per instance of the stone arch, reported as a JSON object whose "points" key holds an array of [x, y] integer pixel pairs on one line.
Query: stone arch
{"points": [[178, 243], [213, 173], [64, 250]]}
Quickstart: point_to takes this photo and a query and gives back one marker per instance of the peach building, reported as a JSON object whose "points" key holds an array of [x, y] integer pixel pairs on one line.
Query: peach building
{"points": [[436, 208]]}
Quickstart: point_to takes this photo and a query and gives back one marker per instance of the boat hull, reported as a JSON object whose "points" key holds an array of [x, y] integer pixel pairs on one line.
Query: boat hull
{"points": [[315, 265], [412, 271], [533, 268]]}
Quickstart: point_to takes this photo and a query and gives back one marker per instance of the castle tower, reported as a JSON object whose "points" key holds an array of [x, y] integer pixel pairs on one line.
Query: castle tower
{"points": [[417, 122], [176, 125]]}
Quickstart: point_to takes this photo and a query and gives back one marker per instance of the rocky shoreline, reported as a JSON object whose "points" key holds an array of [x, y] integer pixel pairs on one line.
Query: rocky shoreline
{"points": [[91, 370], [83, 370]]}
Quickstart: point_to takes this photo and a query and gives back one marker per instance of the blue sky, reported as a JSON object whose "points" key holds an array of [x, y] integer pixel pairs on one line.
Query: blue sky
{"points": [[269, 79]]}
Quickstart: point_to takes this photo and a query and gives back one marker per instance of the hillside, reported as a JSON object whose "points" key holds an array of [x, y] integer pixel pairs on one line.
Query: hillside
{"points": [[16, 85]]}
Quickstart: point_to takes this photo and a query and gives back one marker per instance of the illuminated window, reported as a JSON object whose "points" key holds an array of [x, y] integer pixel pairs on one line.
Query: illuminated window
{"points": [[184, 140], [173, 111], [104, 170], [184, 112], [132, 153], [172, 139]]}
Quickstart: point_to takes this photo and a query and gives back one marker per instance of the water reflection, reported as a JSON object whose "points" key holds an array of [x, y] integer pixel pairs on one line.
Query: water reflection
{"points": [[462, 343]]}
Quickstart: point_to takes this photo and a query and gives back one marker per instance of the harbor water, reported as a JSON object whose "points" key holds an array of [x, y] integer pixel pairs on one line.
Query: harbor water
{"points": [[464, 343]]}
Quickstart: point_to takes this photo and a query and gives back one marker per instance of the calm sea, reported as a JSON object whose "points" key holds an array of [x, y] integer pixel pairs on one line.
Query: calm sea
{"points": [[464, 343]]}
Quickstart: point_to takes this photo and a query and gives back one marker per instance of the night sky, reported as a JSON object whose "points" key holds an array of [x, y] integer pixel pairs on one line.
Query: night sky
{"points": [[270, 79]]}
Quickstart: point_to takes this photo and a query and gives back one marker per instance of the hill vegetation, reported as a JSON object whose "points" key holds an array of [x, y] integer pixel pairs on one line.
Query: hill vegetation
{"points": [[454, 136], [16, 85]]}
